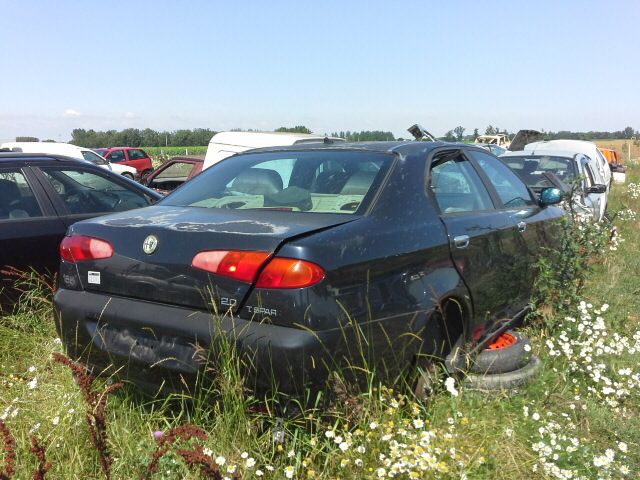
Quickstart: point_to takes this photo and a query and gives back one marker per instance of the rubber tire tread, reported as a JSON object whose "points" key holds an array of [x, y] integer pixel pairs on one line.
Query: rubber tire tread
{"points": [[503, 360], [504, 381]]}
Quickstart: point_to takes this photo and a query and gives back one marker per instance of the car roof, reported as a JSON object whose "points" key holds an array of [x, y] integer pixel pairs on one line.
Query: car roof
{"points": [[45, 157], [117, 148], [402, 147], [541, 153]]}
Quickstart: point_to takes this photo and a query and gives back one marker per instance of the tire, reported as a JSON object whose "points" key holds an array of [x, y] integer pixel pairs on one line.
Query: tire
{"points": [[504, 381], [128, 175], [491, 361], [501, 360]]}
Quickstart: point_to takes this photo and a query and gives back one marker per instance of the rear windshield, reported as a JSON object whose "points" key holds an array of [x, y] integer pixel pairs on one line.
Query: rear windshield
{"points": [[531, 169], [320, 181]]}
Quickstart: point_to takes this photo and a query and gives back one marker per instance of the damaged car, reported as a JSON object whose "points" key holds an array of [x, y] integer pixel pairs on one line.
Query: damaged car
{"points": [[309, 259]]}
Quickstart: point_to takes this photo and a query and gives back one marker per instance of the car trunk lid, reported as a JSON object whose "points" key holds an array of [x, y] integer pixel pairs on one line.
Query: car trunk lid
{"points": [[165, 274], [522, 138]]}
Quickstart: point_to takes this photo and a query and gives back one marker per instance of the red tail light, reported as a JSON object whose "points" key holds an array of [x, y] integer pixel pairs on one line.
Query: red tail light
{"points": [[290, 273], [78, 247], [236, 264]]}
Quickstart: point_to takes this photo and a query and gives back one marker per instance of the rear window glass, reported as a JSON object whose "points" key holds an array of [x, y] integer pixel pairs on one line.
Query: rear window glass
{"points": [[94, 158], [531, 169], [309, 181]]}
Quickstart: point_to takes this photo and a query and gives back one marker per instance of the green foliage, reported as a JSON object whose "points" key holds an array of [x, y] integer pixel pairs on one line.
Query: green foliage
{"points": [[365, 136], [27, 139], [296, 129], [133, 137]]}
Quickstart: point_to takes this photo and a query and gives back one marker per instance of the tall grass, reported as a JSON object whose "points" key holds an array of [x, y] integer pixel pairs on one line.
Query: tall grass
{"points": [[567, 422]]}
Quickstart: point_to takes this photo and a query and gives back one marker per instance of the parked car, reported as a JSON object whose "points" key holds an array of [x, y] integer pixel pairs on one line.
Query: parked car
{"points": [[42, 195], [589, 149], [501, 140], [618, 171], [133, 157], [73, 151], [310, 258], [573, 169], [173, 173], [225, 144]]}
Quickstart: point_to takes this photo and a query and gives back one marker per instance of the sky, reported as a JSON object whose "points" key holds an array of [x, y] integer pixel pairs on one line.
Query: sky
{"points": [[328, 65]]}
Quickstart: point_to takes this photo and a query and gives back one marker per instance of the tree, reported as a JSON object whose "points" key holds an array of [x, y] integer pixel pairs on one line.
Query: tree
{"points": [[628, 132], [449, 136], [296, 129], [476, 134], [27, 139], [459, 131], [490, 130]]}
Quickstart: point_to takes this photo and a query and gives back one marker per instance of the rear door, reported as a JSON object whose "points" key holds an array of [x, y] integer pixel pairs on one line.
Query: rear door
{"points": [[476, 231], [138, 159]]}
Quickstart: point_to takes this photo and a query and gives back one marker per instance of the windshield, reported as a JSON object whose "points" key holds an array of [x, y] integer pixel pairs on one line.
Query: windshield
{"points": [[320, 181], [531, 169], [94, 158]]}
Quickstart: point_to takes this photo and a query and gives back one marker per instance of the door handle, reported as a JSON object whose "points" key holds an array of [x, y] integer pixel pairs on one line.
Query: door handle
{"points": [[461, 241], [522, 226]]}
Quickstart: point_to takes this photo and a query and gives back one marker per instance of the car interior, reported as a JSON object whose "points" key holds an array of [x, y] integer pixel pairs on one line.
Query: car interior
{"points": [[15, 205]]}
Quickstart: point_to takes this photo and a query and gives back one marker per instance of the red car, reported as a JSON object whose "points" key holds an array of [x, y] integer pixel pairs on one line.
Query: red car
{"points": [[134, 157]]}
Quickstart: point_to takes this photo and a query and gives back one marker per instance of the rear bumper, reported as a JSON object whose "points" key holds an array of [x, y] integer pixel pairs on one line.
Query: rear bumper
{"points": [[156, 345]]}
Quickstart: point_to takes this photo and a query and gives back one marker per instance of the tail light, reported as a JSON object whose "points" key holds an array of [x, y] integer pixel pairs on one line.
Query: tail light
{"points": [[244, 266], [236, 264], [290, 273], [77, 248]]}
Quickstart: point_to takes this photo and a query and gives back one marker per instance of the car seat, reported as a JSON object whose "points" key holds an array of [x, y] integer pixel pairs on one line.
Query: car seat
{"points": [[359, 183], [257, 181], [10, 198]]}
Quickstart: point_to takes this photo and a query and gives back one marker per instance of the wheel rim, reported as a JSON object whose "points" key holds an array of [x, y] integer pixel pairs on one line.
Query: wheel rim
{"points": [[505, 340]]}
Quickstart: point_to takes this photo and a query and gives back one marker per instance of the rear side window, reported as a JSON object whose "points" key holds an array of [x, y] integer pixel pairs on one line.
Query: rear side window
{"points": [[94, 158], [321, 181], [457, 187], [137, 155], [87, 192], [511, 189], [16, 197]]}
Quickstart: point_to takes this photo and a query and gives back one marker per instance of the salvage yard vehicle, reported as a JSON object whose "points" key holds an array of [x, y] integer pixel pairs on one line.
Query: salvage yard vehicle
{"points": [[225, 144], [132, 157], [42, 195], [589, 149], [73, 151], [501, 140], [310, 259], [573, 169], [173, 173]]}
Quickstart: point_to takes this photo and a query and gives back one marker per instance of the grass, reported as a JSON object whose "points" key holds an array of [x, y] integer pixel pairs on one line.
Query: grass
{"points": [[159, 155], [457, 433]]}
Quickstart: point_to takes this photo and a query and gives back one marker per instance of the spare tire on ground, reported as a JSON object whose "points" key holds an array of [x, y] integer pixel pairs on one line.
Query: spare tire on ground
{"points": [[504, 381]]}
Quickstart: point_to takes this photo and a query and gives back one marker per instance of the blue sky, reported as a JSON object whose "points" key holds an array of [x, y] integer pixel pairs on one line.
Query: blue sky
{"points": [[330, 65]]}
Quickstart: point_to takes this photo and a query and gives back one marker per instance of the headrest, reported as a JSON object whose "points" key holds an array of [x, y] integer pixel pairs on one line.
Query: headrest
{"points": [[257, 181]]}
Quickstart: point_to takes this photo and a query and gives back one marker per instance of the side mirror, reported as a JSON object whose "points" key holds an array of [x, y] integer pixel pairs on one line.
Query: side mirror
{"points": [[550, 196], [598, 188]]}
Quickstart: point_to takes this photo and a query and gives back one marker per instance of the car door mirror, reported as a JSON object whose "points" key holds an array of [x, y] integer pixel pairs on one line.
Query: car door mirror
{"points": [[597, 188], [550, 196]]}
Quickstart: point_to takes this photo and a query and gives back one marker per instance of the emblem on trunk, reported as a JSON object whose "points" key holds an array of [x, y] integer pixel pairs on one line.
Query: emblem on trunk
{"points": [[150, 244]]}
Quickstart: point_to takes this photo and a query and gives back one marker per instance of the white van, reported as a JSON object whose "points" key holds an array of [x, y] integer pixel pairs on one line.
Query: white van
{"points": [[73, 151], [225, 144]]}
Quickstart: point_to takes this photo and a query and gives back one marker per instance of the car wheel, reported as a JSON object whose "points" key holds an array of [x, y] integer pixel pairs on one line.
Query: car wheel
{"points": [[128, 175], [427, 363], [509, 352], [504, 381]]}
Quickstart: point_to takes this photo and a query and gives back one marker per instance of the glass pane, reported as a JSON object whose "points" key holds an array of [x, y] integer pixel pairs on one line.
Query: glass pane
{"points": [[94, 158], [87, 192], [136, 154], [16, 197], [511, 190], [180, 170], [308, 181], [458, 188], [117, 156]]}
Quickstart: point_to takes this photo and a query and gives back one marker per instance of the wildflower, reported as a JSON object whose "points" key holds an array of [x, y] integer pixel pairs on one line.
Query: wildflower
{"points": [[329, 434], [450, 385], [33, 383], [527, 348], [158, 434], [32, 369], [289, 471], [622, 446], [207, 451], [417, 423], [220, 460], [373, 425], [291, 454], [381, 472], [56, 420], [244, 455], [344, 446], [259, 473], [232, 469], [535, 416], [250, 462]]}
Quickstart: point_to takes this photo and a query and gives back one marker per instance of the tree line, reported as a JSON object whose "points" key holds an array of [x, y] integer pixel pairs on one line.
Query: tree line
{"points": [[134, 137]]}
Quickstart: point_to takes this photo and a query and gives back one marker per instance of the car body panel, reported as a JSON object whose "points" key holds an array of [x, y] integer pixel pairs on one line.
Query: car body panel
{"points": [[388, 267], [131, 157]]}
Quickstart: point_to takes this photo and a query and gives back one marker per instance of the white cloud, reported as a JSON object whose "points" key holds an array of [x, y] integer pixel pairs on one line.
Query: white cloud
{"points": [[130, 115], [70, 112]]}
